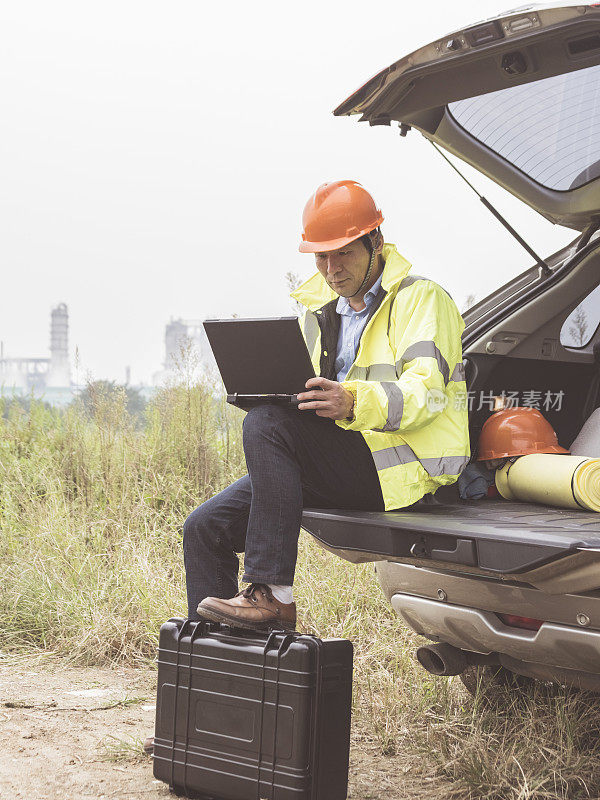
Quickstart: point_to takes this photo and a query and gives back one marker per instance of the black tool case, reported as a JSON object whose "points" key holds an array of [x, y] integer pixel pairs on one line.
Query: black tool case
{"points": [[243, 715]]}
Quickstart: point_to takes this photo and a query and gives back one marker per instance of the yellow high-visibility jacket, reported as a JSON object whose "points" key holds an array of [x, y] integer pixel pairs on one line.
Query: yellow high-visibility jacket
{"points": [[407, 378]]}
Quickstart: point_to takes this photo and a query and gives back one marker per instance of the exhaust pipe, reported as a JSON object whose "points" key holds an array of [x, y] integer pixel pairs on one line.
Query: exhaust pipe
{"points": [[442, 659]]}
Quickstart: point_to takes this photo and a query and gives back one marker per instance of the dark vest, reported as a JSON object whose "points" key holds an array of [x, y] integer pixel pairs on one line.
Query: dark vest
{"points": [[329, 323]]}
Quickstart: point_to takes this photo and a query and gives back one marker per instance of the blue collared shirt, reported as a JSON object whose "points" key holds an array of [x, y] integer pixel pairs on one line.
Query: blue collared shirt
{"points": [[352, 324]]}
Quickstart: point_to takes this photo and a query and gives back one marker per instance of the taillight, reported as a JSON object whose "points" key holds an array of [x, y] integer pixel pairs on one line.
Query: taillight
{"points": [[528, 623]]}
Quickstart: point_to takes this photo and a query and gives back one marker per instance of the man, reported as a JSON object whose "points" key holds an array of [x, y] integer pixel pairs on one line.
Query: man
{"points": [[380, 428]]}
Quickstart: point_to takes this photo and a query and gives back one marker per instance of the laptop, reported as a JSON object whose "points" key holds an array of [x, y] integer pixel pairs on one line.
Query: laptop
{"points": [[260, 359]]}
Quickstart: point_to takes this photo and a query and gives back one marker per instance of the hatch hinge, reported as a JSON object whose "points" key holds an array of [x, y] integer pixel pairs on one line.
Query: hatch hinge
{"points": [[587, 234], [379, 119]]}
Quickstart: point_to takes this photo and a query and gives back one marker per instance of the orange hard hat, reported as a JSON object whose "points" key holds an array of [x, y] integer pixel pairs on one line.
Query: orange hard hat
{"points": [[517, 432], [336, 214]]}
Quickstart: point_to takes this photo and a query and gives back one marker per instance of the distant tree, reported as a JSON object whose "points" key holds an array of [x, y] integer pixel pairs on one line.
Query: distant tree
{"points": [[96, 392], [293, 281], [579, 326], [136, 404], [93, 391], [470, 301], [22, 402]]}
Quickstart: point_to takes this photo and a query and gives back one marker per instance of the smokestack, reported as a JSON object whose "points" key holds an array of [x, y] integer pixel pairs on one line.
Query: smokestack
{"points": [[59, 373]]}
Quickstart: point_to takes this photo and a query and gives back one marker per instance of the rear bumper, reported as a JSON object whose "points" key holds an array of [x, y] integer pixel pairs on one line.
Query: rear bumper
{"points": [[483, 632]]}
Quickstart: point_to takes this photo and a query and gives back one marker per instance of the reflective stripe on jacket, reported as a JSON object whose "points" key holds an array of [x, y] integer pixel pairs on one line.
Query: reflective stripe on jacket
{"points": [[408, 378]]}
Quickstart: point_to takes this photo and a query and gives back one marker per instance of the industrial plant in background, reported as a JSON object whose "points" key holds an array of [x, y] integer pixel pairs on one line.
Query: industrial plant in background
{"points": [[50, 377], [186, 351]]}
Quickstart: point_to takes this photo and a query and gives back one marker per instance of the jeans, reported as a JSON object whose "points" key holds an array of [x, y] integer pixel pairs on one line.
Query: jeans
{"points": [[295, 459]]}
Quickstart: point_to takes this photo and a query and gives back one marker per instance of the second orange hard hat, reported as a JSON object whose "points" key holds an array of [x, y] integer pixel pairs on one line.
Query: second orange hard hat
{"points": [[337, 214], [516, 432]]}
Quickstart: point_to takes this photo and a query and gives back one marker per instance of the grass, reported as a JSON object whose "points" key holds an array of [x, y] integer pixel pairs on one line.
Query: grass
{"points": [[91, 512], [122, 750]]}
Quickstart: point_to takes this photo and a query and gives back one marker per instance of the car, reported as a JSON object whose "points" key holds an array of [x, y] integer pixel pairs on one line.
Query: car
{"points": [[505, 590]]}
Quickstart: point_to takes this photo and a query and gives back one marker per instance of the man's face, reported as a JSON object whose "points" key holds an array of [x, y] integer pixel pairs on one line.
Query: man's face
{"points": [[344, 269]]}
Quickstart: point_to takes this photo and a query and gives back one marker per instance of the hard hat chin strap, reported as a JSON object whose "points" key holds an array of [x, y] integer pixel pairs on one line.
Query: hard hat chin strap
{"points": [[368, 275]]}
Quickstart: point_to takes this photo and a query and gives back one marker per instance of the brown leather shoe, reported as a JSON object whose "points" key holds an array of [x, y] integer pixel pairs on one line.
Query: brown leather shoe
{"points": [[254, 608], [149, 745]]}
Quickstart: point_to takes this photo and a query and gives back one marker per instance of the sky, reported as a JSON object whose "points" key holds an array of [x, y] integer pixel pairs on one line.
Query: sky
{"points": [[155, 159]]}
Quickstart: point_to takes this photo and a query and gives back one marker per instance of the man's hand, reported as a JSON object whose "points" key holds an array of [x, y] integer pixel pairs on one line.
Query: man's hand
{"points": [[329, 399]]}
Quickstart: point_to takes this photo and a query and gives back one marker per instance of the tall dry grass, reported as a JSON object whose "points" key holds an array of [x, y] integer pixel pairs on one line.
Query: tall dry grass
{"points": [[91, 513]]}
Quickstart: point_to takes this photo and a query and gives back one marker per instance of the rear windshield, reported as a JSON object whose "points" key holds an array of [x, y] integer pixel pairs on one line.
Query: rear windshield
{"points": [[549, 129]]}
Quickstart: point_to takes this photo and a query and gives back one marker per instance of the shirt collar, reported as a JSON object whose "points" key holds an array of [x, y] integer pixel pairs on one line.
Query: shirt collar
{"points": [[344, 307], [315, 292]]}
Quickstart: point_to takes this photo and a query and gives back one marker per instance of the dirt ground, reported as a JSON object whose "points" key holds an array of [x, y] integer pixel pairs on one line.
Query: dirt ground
{"points": [[68, 733]]}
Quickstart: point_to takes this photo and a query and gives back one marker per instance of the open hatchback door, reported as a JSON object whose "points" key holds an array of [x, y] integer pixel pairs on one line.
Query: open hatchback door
{"points": [[514, 584], [516, 96]]}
